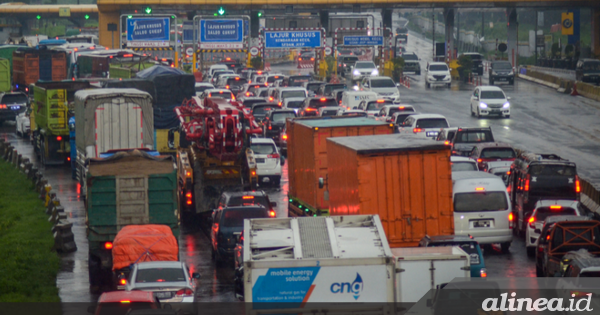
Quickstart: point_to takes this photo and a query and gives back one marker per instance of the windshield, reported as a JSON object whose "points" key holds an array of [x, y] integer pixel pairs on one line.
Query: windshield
{"points": [[313, 87], [498, 153], [383, 83], [294, 104], [438, 68], [542, 213], [249, 201], [261, 79], [202, 88], [591, 65], [283, 116], [376, 105], [480, 201], [331, 87], [14, 99], [400, 118], [552, 170], [236, 81], [350, 60], [400, 109], [221, 94], [475, 56], [263, 93], [474, 136], [285, 94], [589, 274], [364, 65], [432, 123], [260, 111], [318, 103], [263, 148], [274, 78], [410, 57], [329, 112], [159, 275], [502, 66], [249, 103], [492, 95], [463, 166], [235, 217]]}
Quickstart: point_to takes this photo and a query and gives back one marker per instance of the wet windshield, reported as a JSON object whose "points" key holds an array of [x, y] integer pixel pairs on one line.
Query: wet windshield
{"points": [[480, 201], [498, 153], [463, 166], [492, 95], [285, 94], [432, 123], [383, 83], [159, 275], [283, 116], [235, 217]]}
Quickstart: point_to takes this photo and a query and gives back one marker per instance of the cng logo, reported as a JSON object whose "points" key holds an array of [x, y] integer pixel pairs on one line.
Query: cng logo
{"points": [[354, 288]]}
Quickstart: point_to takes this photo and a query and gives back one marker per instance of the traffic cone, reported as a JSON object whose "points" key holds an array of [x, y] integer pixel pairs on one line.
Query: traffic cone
{"points": [[574, 91]]}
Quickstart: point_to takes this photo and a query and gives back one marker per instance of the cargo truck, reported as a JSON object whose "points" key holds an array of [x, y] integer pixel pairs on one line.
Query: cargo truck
{"points": [[110, 119], [407, 182], [128, 188], [31, 65], [307, 157], [306, 261], [49, 119]]}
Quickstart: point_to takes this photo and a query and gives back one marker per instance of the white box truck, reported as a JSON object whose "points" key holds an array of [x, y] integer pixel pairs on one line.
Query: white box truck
{"points": [[304, 260], [111, 119], [420, 269]]}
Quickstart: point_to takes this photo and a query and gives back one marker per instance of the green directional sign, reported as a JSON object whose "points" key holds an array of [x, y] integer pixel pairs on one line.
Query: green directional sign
{"points": [[221, 11], [148, 10]]}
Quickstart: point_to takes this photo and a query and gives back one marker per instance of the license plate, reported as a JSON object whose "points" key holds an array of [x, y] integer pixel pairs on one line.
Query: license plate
{"points": [[431, 134], [163, 295], [439, 79], [482, 223], [260, 160], [502, 79]]}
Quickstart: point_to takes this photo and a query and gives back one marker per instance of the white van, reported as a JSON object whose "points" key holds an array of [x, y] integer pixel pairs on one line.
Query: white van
{"points": [[482, 208], [351, 99]]}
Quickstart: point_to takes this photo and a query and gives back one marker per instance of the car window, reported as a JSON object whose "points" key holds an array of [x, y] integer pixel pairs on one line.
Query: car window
{"points": [[235, 217], [463, 166], [202, 88], [330, 87], [249, 103], [399, 109], [474, 136], [297, 81], [432, 123], [591, 65], [285, 94], [480, 201], [376, 105], [248, 201], [544, 212], [261, 111], [410, 57], [294, 104], [492, 95], [364, 65], [498, 153], [14, 99], [589, 274], [501, 66], [552, 170], [383, 83], [263, 148], [438, 68], [236, 81], [401, 117], [159, 275], [221, 94], [283, 116], [322, 102], [313, 87]]}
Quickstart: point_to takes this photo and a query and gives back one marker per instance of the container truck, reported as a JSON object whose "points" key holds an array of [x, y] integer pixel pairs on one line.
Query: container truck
{"points": [[110, 119], [305, 261], [31, 65], [407, 182], [128, 188], [307, 157]]}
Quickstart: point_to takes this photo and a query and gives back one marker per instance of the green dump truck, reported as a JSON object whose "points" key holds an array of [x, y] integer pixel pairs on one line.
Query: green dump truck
{"points": [[127, 188]]}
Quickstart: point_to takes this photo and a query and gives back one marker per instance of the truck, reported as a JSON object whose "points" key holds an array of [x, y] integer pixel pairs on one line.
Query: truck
{"points": [[303, 262], [407, 182], [218, 158], [49, 119], [128, 188], [113, 63], [307, 156], [31, 65], [5, 83], [110, 119]]}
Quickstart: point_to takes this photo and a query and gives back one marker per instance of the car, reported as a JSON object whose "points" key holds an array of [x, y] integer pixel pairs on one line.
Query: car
{"points": [[328, 88], [462, 164], [447, 135], [12, 104], [120, 302], [329, 111], [307, 55], [259, 79], [490, 101], [311, 105], [231, 63], [351, 98], [246, 198], [544, 209], [338, 94], [466, 243], [492, 151], [535, 177], [438, 73], [345, 63], [477, 60], [246, 72], [220, 93], [222, 79], [498, 168], [282, 93], [297, 80], [352, 113], [466, 138], [411, 63], [588, 70], [213, 68], [218, 72], [235, 84], [248, 90], [227, 224], [362, 69], [501, 71], [387, 112], [202, 86], [268, 161], [399, 118], [580, 264], [373, 107], [256, 74], [384, 86], [272, 77], [552, 245], [249, 101], [23, 125], [423, 125], [312, 87], [259, 110], [274, 122], [294, 103], [169, 282], [262, 92]]}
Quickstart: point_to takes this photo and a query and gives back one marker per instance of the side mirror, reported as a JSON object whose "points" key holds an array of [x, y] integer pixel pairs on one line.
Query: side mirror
{"points": [[273, 204], [196, 275], [321, 182], [537, 231], [398, 84]]}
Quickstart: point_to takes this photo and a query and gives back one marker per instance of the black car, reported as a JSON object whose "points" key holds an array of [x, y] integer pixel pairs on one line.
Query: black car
{"points": [[231, 63], [227, 224], [12, 104], [588, 70], [501, 71], [274, 123], [477, 59], [411, 63], [259, 110], [466, 138], [311, 105], [345, 64], [245, 198]]}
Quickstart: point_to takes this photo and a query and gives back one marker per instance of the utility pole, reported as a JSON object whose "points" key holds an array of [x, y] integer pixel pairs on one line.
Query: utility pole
{"points": [[482, 24], [433, 34], [457, 46], [535, 38]]}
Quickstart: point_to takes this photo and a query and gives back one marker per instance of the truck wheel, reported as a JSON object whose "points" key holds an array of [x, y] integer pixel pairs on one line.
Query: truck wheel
{"points": [[504, 247], [94, 274]]}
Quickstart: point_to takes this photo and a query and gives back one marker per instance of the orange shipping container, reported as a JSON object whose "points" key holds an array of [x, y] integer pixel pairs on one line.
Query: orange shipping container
{"points": [[407, 182], [307, 157], [141, 243]]}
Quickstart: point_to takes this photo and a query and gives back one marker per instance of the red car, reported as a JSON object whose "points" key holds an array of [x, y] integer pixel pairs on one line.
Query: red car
{"points": [[492, 151], [120, 302]]}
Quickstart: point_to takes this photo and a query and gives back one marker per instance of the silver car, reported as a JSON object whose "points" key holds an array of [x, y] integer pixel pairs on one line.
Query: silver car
{"points": [[170, 281]]}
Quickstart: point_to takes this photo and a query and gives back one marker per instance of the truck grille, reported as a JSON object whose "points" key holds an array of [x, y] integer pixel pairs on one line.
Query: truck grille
{"points": [[314, 238]]}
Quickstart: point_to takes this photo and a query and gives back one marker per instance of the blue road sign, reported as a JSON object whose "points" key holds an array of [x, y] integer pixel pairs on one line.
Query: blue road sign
{"points": [[221, 31], [292, 39], [148, 29], [363, 40]]}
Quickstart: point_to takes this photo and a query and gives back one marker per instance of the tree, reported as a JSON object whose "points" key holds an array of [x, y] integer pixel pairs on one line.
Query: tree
{"points": [[257, 63], [465, 66]]}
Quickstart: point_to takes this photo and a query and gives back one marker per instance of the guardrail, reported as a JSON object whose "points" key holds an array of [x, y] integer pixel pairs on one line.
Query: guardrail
{"points": [[590, 196]]}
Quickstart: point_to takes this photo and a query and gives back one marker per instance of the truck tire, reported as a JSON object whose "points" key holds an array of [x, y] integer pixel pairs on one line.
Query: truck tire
{"points": [[94, 274]]}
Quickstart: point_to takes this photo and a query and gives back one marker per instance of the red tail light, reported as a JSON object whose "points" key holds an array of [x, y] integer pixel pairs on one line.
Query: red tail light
{"points": [[273, 156], [272, 214], [531, 222], [380, 101], [447, 142], [270, 98], [285, 137], [247, 197], [270, 127], [526, 188], [323, 99], [299, 58], [555, 207], [188, 198], [312, 59], [68, 158], [186, 292], [59, 138], [227, 86], [416, 130], [123, 282], [131, 55], [108, 245], [577, 186], [479, 160], [511, 218]]}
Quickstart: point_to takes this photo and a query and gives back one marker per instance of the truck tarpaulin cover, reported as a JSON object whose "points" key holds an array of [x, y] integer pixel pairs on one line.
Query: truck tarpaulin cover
{"points": [[172, 85], [142, 243]]}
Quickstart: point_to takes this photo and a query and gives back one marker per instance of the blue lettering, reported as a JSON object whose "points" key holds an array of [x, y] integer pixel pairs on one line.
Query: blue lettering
{"points": [[335, 290]]}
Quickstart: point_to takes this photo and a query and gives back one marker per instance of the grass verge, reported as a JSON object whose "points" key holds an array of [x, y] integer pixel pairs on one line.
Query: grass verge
{"points": [[29, 266]]}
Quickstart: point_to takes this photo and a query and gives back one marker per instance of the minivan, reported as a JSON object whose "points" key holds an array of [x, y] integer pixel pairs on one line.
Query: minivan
{"points": [[482, 208]]}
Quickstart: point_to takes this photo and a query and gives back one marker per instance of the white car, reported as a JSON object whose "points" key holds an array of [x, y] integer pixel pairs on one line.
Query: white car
{"points": [[352, 112], [222, 93], [490, 101], [330, 111], [384, 86], [282, 93], [373, 107], [351, 99], [438, 73], [398, 119], [363, 69], [426, 126], [462, 164], [23, 124], [542, 210], [268, 161], [388, 111], [202, 86], [293, 103]]}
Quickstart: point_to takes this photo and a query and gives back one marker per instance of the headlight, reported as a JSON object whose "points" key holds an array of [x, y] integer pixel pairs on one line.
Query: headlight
{"points": [[356, 72], [374, 72], [506, 105], [482, 105]]}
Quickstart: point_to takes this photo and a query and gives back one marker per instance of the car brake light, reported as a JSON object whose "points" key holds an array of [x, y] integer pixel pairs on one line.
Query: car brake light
{"points": [[555, 207], [123, 282], [227, 86], [131, 55], [270, 98], [447, 142], [273, 156], [68, 158], [187, 292], [479, 189], [270, 127], [299, 58], [312, 59], [2, 106], [511, 222], [108, 245], [531, 220], [59, 138], [125, 302], [323, 99], [272, 214], [401, 107], [526, 188], [511, 217], [483, 273], [284, 136], [416, 130], [577, 186], [479, 160], [380, 101], [247, 197]]}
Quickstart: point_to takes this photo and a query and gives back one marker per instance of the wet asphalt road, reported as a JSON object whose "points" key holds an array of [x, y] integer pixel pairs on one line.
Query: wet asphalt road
{"points": [[542, 120]]}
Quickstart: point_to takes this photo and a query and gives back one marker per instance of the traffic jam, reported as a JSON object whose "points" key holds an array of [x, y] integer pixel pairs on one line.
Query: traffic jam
{"points": [[373, 188]]}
